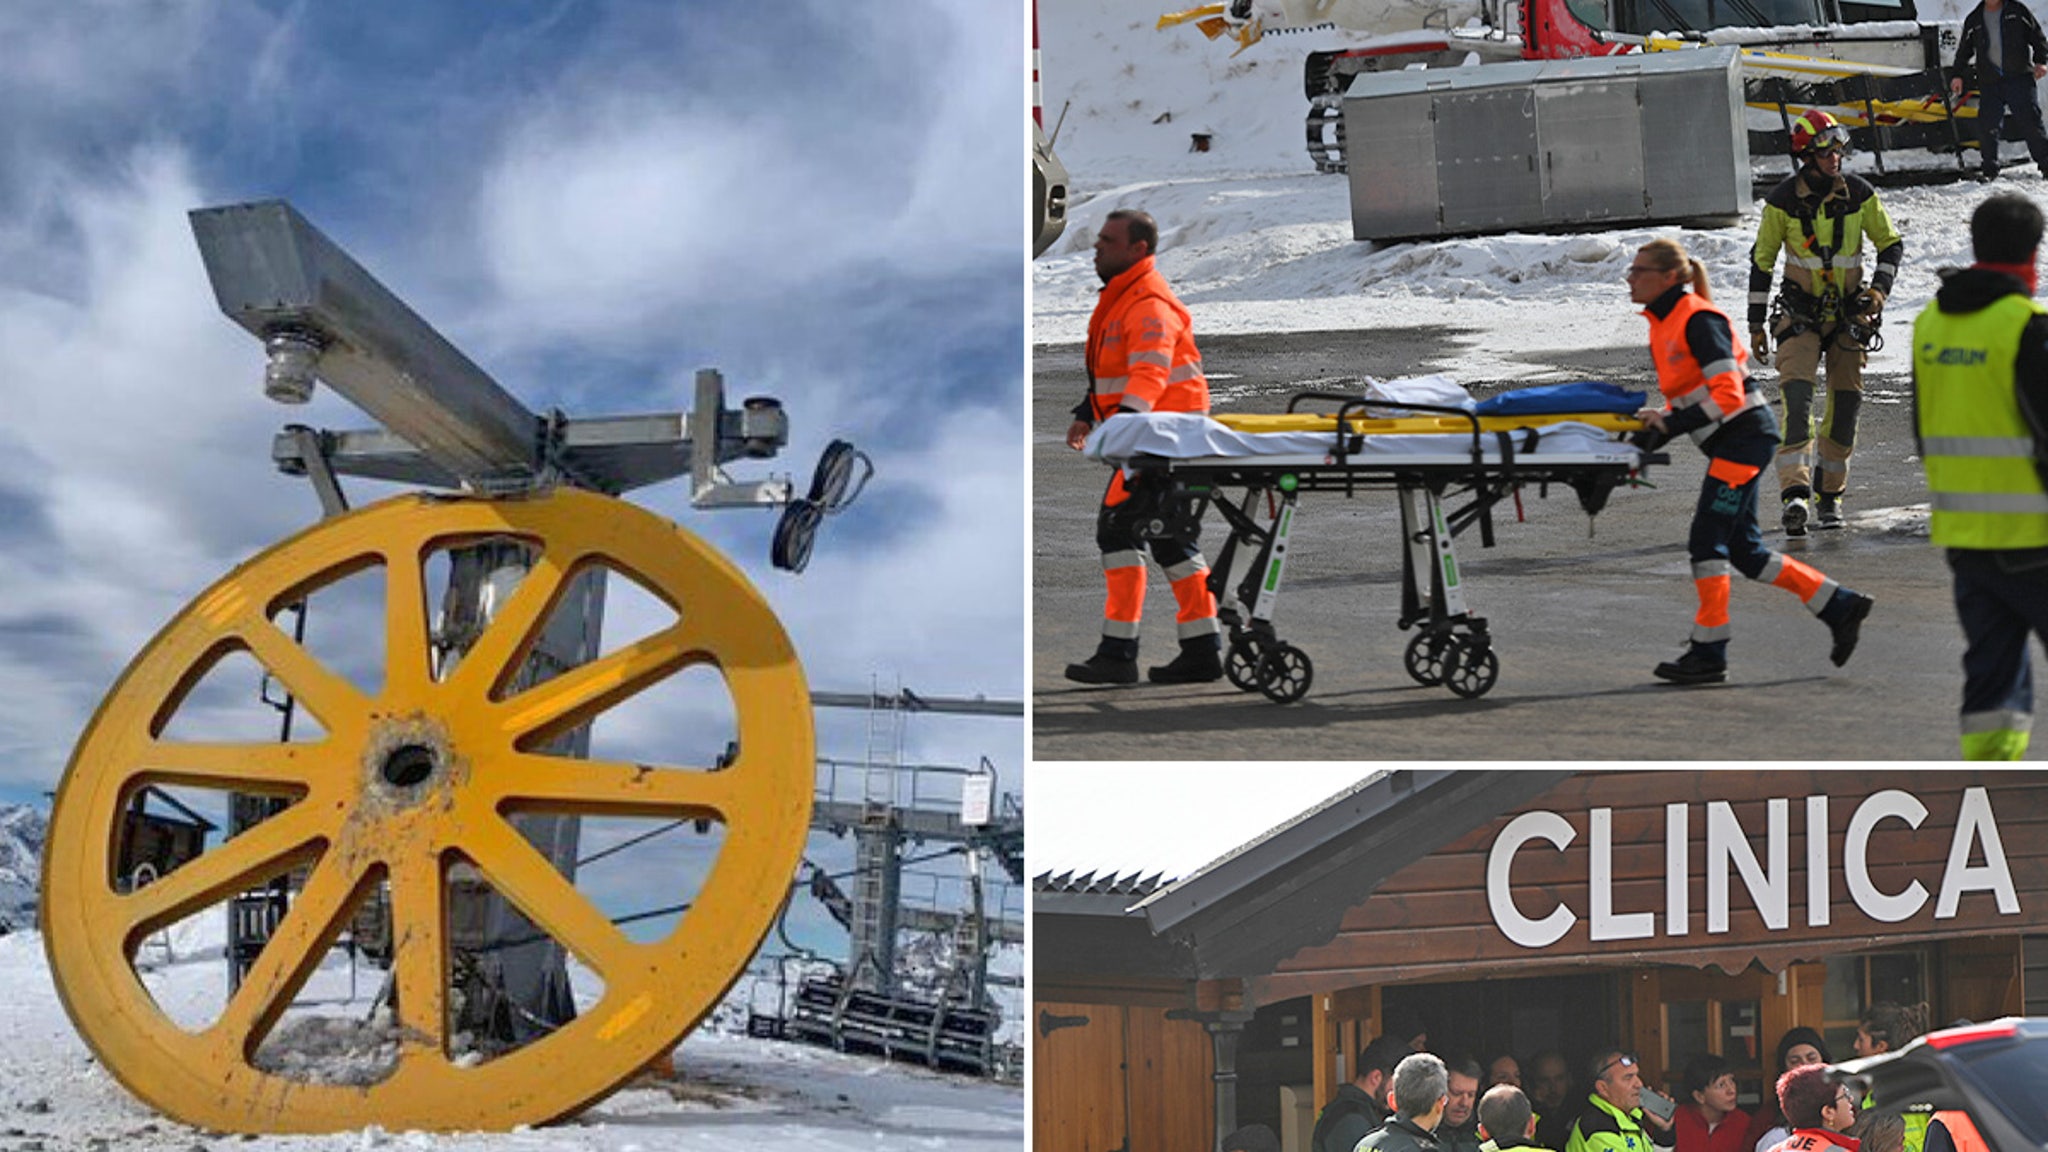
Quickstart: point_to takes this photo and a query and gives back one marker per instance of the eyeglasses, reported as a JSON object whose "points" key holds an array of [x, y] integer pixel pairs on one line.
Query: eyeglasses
{"points": [[1624, 1061], [1635, 270]]}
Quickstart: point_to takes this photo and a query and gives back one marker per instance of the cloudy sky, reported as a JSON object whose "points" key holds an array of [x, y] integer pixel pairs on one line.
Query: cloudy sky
{"points": [[593, 200]]}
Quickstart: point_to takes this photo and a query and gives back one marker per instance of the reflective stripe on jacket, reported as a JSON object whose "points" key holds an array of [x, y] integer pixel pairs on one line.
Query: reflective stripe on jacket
{"points": [[1975, 444], [1141, 348], [1602, 1127], [1719, 390]]}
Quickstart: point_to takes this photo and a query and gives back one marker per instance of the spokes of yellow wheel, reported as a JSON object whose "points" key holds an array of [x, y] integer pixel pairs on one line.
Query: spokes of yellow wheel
{"points": [[412, 778]]}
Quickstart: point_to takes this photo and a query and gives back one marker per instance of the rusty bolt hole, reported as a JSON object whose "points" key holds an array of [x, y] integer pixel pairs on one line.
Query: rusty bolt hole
{"points": [[409, 765]]}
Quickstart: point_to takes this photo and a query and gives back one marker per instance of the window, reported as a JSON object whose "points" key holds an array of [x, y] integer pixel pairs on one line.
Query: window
{"points": [[1727, 1028], [1854, 983]]}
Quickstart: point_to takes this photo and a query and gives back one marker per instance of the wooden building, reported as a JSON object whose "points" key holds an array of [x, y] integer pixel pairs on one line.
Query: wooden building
{"points": [[1511, 912], [155, 842]]}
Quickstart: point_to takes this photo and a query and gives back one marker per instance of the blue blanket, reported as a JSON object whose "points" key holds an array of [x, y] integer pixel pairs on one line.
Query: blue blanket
{"points": [[1578, 396]]}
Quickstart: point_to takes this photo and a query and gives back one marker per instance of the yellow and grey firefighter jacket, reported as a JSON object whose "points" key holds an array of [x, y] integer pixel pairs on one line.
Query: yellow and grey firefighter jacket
{"points": [[1820, 224], [1980, 395]]}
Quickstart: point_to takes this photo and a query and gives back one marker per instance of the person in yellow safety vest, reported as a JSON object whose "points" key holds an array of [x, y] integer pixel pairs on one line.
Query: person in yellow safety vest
{"points": [[1820, 217], [1506, 1120], [1613, 1119], [1703, 373], [1980, 397], [1142, 358], [1887, 1027], [1818, 1110]]}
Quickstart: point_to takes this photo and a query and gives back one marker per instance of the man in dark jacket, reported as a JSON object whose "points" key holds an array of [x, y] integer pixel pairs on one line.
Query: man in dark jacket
{"points": [[1356, 1109], [1459, 1131], [1421, 1088], [2011, 54]]}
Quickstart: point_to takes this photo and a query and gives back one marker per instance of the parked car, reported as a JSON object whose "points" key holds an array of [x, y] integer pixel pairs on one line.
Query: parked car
{"points": [[1996, 1072]]}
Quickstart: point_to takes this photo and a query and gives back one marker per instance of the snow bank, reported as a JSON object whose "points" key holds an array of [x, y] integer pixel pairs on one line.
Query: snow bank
{"points": [[1256, 242]]}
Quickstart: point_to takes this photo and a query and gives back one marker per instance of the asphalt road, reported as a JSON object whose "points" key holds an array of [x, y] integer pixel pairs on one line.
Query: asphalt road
{"points": [[1578, 616]]}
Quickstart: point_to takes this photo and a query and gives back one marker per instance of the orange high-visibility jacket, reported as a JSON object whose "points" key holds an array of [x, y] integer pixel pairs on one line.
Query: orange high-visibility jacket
{"points": [[1719, 390], [1141, 348]]}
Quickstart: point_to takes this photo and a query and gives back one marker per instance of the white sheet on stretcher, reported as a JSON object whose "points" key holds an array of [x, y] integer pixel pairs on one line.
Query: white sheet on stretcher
{"points": [[1190, 436]]}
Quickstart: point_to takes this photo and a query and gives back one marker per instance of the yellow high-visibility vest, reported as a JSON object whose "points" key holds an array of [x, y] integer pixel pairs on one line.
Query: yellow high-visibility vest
{"points": [[1976, 447]]}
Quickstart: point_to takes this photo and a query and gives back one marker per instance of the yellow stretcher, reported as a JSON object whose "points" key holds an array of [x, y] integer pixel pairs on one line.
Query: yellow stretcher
{"points": [[1253, 470], [1444, 423]]}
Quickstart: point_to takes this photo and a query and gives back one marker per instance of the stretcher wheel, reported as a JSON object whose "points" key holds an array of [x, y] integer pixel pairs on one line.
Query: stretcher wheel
{"points": [[1241, 664], [1470, 670], [1285, 673], [410, 778], [1425, 657]]}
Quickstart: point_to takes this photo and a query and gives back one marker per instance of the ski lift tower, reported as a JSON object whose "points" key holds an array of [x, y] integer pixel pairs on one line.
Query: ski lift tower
{"points": [[444, 423]]}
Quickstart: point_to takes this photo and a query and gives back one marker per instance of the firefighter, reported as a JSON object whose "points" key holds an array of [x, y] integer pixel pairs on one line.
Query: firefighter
{"points": [[1703, 373], [1980, 398], [1142, 358], [1824, 313]]}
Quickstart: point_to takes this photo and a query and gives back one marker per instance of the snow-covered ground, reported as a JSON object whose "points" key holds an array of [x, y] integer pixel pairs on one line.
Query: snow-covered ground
{"points": [[1255, 241], [731, 1091]]}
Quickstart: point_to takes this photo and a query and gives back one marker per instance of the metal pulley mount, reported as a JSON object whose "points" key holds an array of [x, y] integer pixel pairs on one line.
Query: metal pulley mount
{"points": [[443, 422]]}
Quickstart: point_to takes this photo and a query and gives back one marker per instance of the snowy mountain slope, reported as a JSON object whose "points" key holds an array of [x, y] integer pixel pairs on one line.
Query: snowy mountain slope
{"points": [[22, 831]]}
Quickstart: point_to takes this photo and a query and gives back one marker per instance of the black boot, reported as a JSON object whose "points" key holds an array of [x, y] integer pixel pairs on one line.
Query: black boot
{"points": [[1844, 618], [1200, 661], [1830, 511], [1103, 668], [1702, 663]]}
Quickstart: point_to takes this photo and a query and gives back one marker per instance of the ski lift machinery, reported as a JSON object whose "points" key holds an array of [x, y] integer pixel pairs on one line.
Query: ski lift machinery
{"points": [[458, 752]]}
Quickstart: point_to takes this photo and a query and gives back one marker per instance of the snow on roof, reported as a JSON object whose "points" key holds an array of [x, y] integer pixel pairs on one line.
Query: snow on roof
{"points": [[1126, 823]]}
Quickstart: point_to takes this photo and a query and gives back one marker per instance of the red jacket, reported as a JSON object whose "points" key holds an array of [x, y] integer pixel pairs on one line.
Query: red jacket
{"points": [[1141, 348], [1730, 1135]]}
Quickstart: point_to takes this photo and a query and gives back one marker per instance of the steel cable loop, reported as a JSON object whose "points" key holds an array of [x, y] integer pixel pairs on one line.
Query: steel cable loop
{"points": [[829, 487]]}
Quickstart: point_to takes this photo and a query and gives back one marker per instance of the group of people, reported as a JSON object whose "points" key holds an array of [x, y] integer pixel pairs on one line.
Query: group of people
{"points": [[1980, 369], [1400, 1099]]}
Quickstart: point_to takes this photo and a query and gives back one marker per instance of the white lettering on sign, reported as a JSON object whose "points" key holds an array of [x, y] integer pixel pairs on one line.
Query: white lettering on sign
{"points": [[1517, 927], [1726, 844], [1768, 881]]}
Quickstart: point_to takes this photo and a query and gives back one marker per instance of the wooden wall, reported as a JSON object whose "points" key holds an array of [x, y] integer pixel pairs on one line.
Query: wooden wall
{"points": [[1128, 1080], [1432, 919]]}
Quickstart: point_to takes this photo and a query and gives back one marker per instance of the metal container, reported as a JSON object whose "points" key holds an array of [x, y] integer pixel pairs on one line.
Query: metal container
{"points": [[1551, 144]]}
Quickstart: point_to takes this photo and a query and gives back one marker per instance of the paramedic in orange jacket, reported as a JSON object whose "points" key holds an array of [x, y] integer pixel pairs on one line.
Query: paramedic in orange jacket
{"points": [[1142, 358], [1703, 373]]}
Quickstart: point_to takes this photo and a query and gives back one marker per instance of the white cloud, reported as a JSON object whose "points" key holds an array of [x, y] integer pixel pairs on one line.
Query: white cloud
{"points": [[616, 216]]}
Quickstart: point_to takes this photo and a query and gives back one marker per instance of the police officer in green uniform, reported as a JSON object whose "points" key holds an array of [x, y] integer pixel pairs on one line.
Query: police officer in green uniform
{"points": [[1825, 314], [1980, 386]]}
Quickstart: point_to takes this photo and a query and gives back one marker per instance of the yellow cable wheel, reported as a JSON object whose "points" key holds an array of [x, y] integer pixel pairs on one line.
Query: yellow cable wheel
{"points": [[412, 780]]}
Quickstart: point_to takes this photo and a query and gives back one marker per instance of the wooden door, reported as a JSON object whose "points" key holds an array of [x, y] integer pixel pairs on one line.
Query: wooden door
{"points": [[1077, 1077]]}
